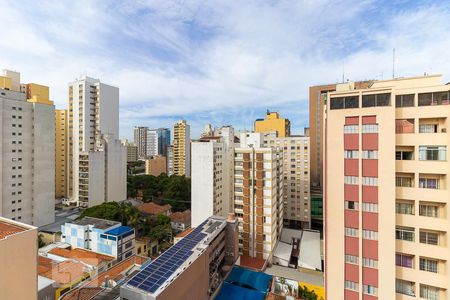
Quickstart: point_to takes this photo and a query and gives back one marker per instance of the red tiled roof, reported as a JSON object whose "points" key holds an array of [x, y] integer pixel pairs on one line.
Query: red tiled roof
{"points": [[63, 272], [151, 208], [9, 229], [86, 256], [254, 263], [181, 217], [184, 233]]}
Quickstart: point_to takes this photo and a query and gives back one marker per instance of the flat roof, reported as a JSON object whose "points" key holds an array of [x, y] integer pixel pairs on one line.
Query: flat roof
{"points": [[97, 223], [158, 275], [119, 230], [61, 218]]}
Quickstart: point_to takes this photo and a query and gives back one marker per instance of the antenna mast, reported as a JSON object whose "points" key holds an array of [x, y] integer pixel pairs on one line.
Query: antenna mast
{"points": [[393, 63]]}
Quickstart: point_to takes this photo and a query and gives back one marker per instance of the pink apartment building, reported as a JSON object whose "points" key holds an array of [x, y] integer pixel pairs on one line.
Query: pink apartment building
{"points": [[386, 197]]}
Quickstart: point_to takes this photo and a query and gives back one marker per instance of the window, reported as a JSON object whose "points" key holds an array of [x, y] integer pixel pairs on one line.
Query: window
{"points": [[429, 183], [404, 100], [350, 179], [370, 181], [344, 102], [428, 128], [429, 292], [350, 285], [352, 154], [427, 237], [429, 265], [436, 98], [404, 260], [352, 259], [369, 207], [376, 100], [370, 235], [351, 231], [370, 154], [403, 181], [369, 262], [429, 210], [352, 205], [432, 152], [405, 287], [350, 128], [404, 233], [370, 128], [404, 155], [370, 290], [404, 208]]}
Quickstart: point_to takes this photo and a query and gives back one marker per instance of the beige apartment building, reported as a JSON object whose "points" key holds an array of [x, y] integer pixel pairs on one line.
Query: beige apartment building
{"points": [[258, 196], [296, 172], [18, 260], [61, 152], [181, 149], [156, 165], [386, 190]]}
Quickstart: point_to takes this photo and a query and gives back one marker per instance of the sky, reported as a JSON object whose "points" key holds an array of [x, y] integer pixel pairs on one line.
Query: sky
{"points": [[220, 62]]}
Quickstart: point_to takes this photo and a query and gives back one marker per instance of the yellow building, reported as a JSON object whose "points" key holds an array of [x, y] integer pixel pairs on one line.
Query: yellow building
{"points": [[61, 153], [273, 122], [5, 83], [38, 93], [181, 149]]}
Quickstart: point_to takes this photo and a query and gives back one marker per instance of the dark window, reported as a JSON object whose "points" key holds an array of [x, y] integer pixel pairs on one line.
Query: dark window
{"points": [[344, 102], [337, 103], [404, 100], [376, 100], [436, 98]]}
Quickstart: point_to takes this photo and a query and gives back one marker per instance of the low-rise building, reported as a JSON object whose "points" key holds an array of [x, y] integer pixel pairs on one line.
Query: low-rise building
{"points": [[180, 220], [153, 209], [194, 267], [18, 248], [156, 165], [145, 246], [103, 236]]}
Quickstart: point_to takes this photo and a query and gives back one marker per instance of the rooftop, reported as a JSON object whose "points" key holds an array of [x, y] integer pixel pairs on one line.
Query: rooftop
{"points": [[97, 223], [61, 218], [181, 217], [119, 230], [63, 272], [9, 227], [151, 208], [86, 256], [184, 233]]}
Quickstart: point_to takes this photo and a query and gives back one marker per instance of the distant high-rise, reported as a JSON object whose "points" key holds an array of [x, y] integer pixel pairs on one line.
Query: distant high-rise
{"points": [[27, 156], [163, 140], [170, 160], [132, 151], [140, 140], [97, 157], [273, 122], [152, 142], [61, 152], [181, 149]]}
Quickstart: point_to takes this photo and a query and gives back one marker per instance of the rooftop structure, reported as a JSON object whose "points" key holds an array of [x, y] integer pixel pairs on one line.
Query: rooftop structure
{"points": [[151, 208], [195, 266], [95, 222]]}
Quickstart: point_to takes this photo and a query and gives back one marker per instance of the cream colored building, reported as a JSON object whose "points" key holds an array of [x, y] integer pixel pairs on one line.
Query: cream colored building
{"points": [[258, 196], [181, 149], [18, 260], [97, 166], [296, 175], [27, 151], [61, 152], [386, 190]]}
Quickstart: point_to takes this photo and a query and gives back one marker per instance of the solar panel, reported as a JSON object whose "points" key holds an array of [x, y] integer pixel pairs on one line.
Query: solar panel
{"points": [[157, 272]]}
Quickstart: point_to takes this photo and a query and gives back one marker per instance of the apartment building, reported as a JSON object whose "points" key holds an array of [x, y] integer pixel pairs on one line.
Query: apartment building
{"points": [[194, 267], [27, 155], [102, 236], [152, 142], [140, 140], [296, 174], [163, 140], [181, 149], [132, 151], [212, 175], [170, 160], [156, 165], [273, 122], [386, 190], [97, 170], [258, 196], [18, 260], [61, 152]]}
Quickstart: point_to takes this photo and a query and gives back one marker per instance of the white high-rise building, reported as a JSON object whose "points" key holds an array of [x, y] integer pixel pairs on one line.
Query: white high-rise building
{"points": [[97, 157], [212, 175], [140, 140], [27, 151], [152, 142]]}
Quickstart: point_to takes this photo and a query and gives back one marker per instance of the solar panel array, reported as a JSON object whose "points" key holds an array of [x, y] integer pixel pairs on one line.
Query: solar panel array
{"points": [[156, 273]]}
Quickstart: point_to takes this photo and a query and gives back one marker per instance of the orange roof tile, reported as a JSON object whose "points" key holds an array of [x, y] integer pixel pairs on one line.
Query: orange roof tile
{"points": [[182, 217], [63, 272], [151, 208], [184, 233], [86, 256], [254, 263], [9, 229]]}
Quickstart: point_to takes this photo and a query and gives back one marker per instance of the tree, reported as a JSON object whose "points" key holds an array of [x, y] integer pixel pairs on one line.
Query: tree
{"points": [[307, 294], [41, 242], [160, 232]]}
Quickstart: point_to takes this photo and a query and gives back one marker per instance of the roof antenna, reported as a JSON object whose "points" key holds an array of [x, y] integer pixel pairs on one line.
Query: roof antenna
{"points": [[393, 63], [343, 73]]}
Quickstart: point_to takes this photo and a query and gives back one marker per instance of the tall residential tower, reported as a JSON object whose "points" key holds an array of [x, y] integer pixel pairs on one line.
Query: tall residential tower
{"points": [[181, 149]]}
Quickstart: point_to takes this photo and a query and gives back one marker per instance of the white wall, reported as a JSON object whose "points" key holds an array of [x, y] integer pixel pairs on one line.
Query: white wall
{"points": [[96, 177], [116, 170]]}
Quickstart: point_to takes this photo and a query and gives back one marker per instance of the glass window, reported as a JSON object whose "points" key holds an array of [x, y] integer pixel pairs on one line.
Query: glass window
{"points": [[428, 210], [370, 181], [370, 290], [432, 153], [429, 292], [404, 208], [403, 181], [351, 231], [352, 259], [404, 260], [404, 233], [376, 100], [429, 265], [370, 234], [429, 183], [352, 205], [405, 287], [428, 128], [369, 207], [350, 285], [350, 128], [427, 237], [404, 100], [404, 155], [344, 102], [436, 98], [370, 128], [352, 154], [370, 154], [350, 179], [369, 262]]}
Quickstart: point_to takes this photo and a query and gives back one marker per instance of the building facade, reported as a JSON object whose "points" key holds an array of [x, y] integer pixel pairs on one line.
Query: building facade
{"points": [[152, 142], [61, 152], [387, 215], [163, 140], [18, 260], [258, 196], [156, 165], [273, 122], [296, 172], [181, 149], [27, 164], [102, 236], [140, 140], [97, 169], [170, 160], [132, 151]]}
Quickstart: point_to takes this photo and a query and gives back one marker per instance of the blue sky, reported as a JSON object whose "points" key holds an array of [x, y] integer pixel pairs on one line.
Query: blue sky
{"points": [[220, 62]]}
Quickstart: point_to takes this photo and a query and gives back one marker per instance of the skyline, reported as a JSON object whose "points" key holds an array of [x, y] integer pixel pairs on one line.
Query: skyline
{"points": [[218, 62]]}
